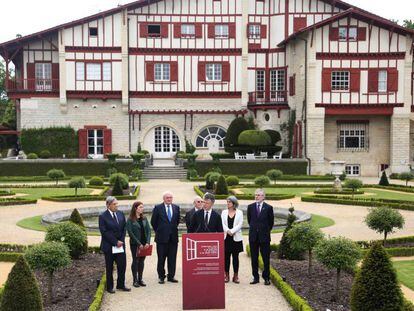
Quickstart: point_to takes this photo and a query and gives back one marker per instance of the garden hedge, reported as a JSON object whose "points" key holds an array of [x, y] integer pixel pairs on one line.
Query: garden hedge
{"points": [[295, 301], [285, 186], [70, 167], [233, 167], [343, 192], [57, 140], [18, 248], [274, 197], [6, 193], [16, 201], [97, 299], [9, 257]]}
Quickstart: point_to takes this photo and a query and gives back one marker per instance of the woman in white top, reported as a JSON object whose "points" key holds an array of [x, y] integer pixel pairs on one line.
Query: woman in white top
{"points": [[232, 220]]}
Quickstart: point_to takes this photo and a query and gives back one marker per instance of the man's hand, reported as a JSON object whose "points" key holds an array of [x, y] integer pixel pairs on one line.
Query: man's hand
{"points": [[146, 246], [119, 244]]}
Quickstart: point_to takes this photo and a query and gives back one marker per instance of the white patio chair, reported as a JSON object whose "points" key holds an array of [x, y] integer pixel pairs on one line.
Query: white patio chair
{"points": [[263, 155], [237, 156], [278, 156], [250, 156]]}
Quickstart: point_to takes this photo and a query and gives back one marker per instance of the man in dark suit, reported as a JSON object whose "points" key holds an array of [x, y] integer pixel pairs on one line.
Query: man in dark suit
{"points": [[207, 220], [164, 221], [261, 219], [112, 226], [198, 205]]}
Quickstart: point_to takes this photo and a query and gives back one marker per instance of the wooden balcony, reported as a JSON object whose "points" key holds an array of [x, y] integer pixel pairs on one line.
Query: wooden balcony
{"points": [[273, 98], [20, 88]]}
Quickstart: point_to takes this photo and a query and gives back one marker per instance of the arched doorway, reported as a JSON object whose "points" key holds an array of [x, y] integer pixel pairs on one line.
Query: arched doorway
{"points": [[166, 142]]}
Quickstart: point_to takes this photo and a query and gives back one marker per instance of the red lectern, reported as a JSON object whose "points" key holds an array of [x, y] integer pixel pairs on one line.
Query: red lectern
{"points": [[203, 271]]}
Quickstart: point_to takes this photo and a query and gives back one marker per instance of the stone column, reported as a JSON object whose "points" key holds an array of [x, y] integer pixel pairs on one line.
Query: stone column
{"points": [[125, 61], [62, 73]]}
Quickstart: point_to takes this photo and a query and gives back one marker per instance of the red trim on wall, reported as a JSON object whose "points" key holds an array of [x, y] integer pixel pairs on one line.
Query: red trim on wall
{"points": [[94, 94], [182, 51], [92, 49], [359, 109], [360, 56], [185, 94]]}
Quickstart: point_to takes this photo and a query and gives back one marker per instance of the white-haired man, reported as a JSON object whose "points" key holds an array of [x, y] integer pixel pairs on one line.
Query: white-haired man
{"points": [[198, 204], [165, 219]]}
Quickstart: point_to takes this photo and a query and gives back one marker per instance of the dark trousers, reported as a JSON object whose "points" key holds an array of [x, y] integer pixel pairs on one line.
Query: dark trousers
{"points": [[137, 266], [120, 260], [235, 256], [166, 251], [265, 252]]}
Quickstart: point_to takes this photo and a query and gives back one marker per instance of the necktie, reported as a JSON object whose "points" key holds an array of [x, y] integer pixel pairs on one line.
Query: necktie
{"points": [[115, 218], [206, 220], [258, 208], [169, 213]]}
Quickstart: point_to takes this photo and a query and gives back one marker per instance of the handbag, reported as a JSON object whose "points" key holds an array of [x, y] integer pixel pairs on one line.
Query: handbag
{"points": [[144, 252]]}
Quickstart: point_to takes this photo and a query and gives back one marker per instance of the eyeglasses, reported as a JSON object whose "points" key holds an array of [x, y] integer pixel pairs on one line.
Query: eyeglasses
{"points": [[199, 201]]}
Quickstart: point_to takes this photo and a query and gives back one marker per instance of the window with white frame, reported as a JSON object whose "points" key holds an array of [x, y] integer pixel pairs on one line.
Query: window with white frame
{"points": [[382, 81], [340, 80], [107, 71], [353, 137], [43, 75], [254, 31], [80, 71], [213, 132], [353, 170], [260, 84], [221, 31], [188, 30], [95, 143], [162, 72], [277, 83], [214, 72], [93, 71], [348, 33]]}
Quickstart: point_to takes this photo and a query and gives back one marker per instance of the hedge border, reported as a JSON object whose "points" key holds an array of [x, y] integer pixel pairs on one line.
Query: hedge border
{"points": [[273, 197], [100, 291], [6, 248], [346, 192], [241, 185], [283, 178], [9, 257], [296, 302], [6, 193], [16, 201]]}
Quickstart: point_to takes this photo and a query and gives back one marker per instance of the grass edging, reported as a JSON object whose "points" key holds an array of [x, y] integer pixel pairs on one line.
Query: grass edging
{"points": [[9, 257], [295, 301], [97, 299], [16, 201]]}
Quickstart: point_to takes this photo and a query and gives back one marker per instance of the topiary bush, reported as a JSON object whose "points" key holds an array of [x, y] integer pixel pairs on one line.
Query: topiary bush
{"points": [[262, 181], [71, 235], [96, 181], [285, 251], [192, 173], [221, 187], [375, 285], [48, 257], [55, 175], [384, 180], [117, 187], [76, 218], [137, 158], [407, 176], [77, 182], [275, 137], [211, 179], [136, 174], [189, 148], [45, 154], [254, 138], [274, 175], [237, 126], [21, 291], [123, 179], [353, 184], [32, 156], [110, 171], [232, 180]]}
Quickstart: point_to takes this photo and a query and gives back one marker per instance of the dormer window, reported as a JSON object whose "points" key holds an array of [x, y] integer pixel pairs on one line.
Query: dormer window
{"points": [[93, 31], [348, 33], [154, 30]]}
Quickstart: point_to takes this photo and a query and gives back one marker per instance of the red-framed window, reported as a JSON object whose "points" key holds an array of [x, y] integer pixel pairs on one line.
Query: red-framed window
{"points": [[341, 80], [214, 71], [94, 141], [188, 30], [153, 30], [382, 80], [93, 71], [222, 30], [256, 31], [161, 71], [42, 76]]}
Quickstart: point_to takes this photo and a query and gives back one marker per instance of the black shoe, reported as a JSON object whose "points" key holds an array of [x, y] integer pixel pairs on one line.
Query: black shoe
{"points": [[267, 282], [255, 281], [111, 291], [141, 283], [172, 280], [161, 281], [124, 289], [136, 284]]}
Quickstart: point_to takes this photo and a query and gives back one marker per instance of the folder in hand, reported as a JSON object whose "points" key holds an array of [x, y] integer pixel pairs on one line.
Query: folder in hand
{"points": [[144, 252]]}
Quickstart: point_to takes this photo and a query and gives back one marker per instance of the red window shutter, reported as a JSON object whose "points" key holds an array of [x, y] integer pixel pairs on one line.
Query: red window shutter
{"points": [[355, 80], [362, 34], [211, 31], [31, 76], [373, 80], [83, 143], [199, 30], [107, 141], [299, 23], [174, 71], [143, 30], [292, 85], [333, 34], [326, 80], [226, 71], [177, 30], [232, 30], [149, 71], [55, 76], [392, 80], [201, 71], [164, 30], [263, 31]]}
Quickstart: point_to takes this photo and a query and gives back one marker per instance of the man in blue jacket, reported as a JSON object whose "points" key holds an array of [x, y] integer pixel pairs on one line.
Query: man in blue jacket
{"points": [[112, 226]]}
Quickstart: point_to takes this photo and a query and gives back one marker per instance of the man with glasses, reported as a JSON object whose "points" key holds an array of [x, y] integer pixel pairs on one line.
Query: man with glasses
{"points": [[198, 205], [261, 219], [165, 219]]}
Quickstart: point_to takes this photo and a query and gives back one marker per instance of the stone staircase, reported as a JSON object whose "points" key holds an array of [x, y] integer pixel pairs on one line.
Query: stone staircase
{"points": [[165, 172]]}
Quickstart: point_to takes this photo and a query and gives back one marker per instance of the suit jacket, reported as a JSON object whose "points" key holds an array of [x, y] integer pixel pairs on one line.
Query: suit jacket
{"points": [[165, 231], [260, 225], [237, 225], [188, 217], [214, 225], [111, 231]]}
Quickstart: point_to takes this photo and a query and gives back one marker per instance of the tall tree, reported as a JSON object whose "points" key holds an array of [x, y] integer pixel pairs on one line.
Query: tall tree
{"points": [[408, 23]]}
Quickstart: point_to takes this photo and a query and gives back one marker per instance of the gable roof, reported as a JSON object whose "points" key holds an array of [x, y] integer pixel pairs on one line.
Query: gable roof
{"points": [[358, 14]]}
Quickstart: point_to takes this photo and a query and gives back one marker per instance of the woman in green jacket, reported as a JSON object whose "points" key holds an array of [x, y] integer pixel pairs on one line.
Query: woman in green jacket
{"points": [[139, 232]]}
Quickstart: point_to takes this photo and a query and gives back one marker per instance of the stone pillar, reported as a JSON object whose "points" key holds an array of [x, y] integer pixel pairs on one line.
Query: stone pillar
{"points": [[125, 61], [62, 73], [316, 143], [245, 55]]}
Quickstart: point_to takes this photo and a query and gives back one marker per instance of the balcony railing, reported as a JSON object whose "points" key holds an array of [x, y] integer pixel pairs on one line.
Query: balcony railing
{"points": [[33, 85], [268, 98]]}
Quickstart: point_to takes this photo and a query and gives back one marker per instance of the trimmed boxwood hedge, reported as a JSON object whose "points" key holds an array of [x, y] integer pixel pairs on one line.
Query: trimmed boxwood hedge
{"points": [[235, 167], [16, 201], [6, 193], [97, 299], [296, 302], [343, 192], [70, 167], [9, 257], [274, 197], [18, 248], [285, 186]]}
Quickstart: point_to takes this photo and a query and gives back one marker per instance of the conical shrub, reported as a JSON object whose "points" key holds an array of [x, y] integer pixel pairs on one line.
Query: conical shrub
{"points": [[76, 218], [117, 189], [376, 287], [384, 180], [221, 187], [285, 250], [21, 291]]}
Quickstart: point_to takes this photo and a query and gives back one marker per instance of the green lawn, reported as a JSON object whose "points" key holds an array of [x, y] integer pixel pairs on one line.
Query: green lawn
{"points": [[386, 194], [405, 272], [37, 193], [317, 220]]}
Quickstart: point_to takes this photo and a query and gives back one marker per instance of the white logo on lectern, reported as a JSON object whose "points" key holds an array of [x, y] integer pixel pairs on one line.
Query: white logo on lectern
{"points": [[202, 250]]}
